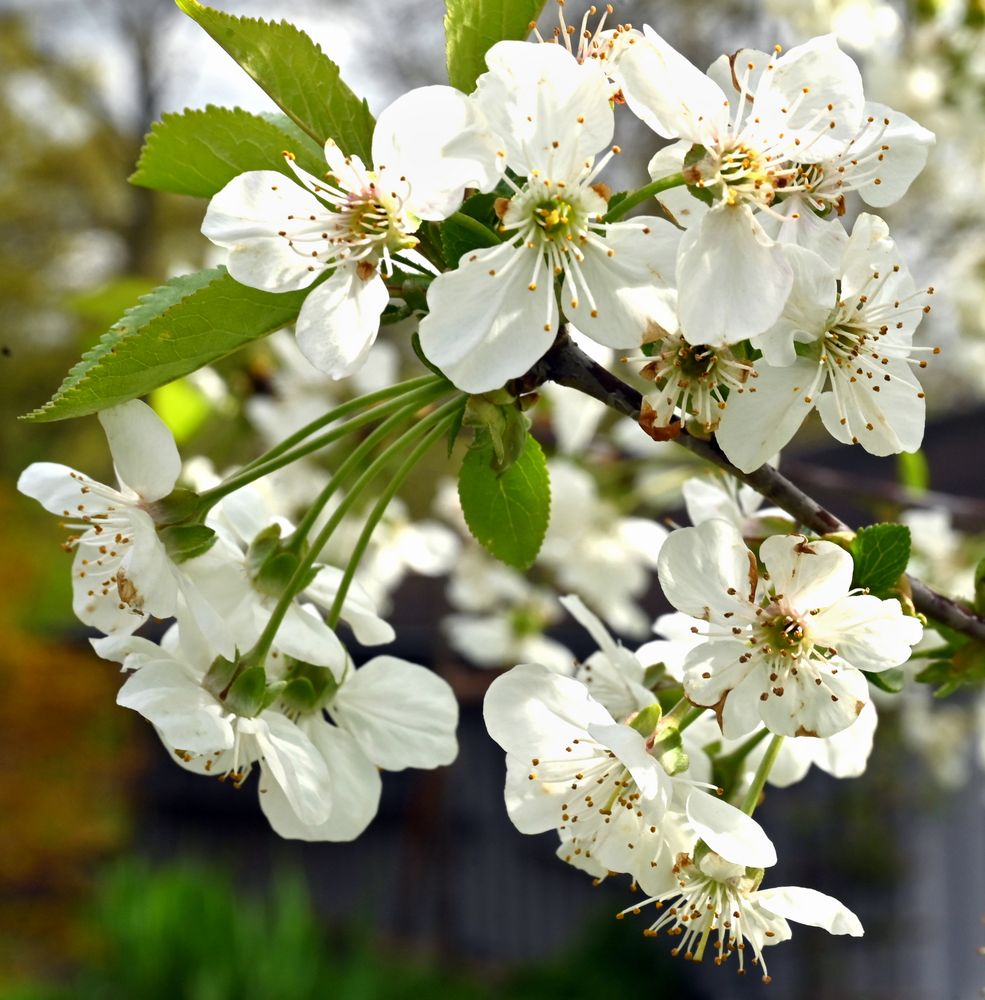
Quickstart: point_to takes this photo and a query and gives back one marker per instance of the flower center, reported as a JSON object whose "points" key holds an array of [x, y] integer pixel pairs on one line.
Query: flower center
{"points": [[786, 634], [555, 216]]}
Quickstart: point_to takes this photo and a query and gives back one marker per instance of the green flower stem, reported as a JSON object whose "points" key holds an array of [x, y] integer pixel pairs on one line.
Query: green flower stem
{"points": [[648, 191], [359, 403], [474, 226], [692, 716], [428, 388], [376, 514], [751, 800], [675, 716], [395, 449]]}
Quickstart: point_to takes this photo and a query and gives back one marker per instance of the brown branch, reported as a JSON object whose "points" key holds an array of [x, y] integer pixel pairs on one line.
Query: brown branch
{"points": [[567, 365]]}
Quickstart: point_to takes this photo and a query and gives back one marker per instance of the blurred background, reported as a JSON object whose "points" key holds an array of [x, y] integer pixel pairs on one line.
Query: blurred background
{"points": [[123, 876]]}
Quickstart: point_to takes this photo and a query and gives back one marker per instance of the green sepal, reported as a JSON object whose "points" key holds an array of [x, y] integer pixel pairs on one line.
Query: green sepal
{"points": [[415, 343], [646, 720], [892, 681], [220, 675], [246, 695], [669, 751], [308, 687], [186, 541], [273, 693], [276, 573], [499, 422], [180, 505], [265, 543]]}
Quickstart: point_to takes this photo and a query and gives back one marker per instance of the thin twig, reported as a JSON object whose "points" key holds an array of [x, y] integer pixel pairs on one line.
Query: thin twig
{"points": [[566, 364]]}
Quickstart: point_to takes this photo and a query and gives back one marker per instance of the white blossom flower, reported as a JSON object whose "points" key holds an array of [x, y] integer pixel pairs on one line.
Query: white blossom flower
{"points": [[572, 768], [843, 345], [204, 734], [121, 572], [798, 108], [880, 163], [787, 649], [497, 313], [388, 714], [428, 147], [718, 902], [721, 496]]}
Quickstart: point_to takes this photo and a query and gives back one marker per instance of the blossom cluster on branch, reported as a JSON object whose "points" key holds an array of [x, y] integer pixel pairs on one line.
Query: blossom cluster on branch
{"points": [[478, 219]]}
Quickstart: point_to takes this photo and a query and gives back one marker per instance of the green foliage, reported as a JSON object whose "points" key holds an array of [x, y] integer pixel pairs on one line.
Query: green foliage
{"points": [[891, 681], [507, 511], [459, 236], [474, 26], [189, 322], [881, 553], [197, 152], [295, 73]]}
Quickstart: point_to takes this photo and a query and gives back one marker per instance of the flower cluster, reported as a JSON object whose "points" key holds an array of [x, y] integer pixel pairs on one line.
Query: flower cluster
{"points": [[483, 221]]}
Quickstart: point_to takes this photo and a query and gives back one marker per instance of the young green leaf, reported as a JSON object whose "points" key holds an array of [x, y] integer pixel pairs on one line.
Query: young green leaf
{"points": [[197, 152], [507, 512], [891, 681], [295, 73], [474, 26], [881, 553], [178, 328]]}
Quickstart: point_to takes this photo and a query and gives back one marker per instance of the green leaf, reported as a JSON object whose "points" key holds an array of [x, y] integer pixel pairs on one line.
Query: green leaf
{"points": [[295, 73], [459, 234], [881, 553], [181, 326], [891, 681], [198, 152], [474, 26], [980, 587], [507, 512]]}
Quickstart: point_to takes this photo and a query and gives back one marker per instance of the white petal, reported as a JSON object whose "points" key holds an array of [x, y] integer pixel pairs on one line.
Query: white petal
{"points": [[630, 284], [340, 319], [733, 280], [699, 566], [756, 425], [58, 488], [805, 316], [883, 422], [729, 831], [629, 746], [143, 449], [908, 145], [867, 632], [292, 761], [354, 787], [305, 636], [814, 94], [186, 715], [530, 708], [486, 328], [682, 205], [808, 906], [438, 140], [810, 709], [247, 216], [401, 715], [669, 93], [809, 575], [537, 95], [358, 609]]}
